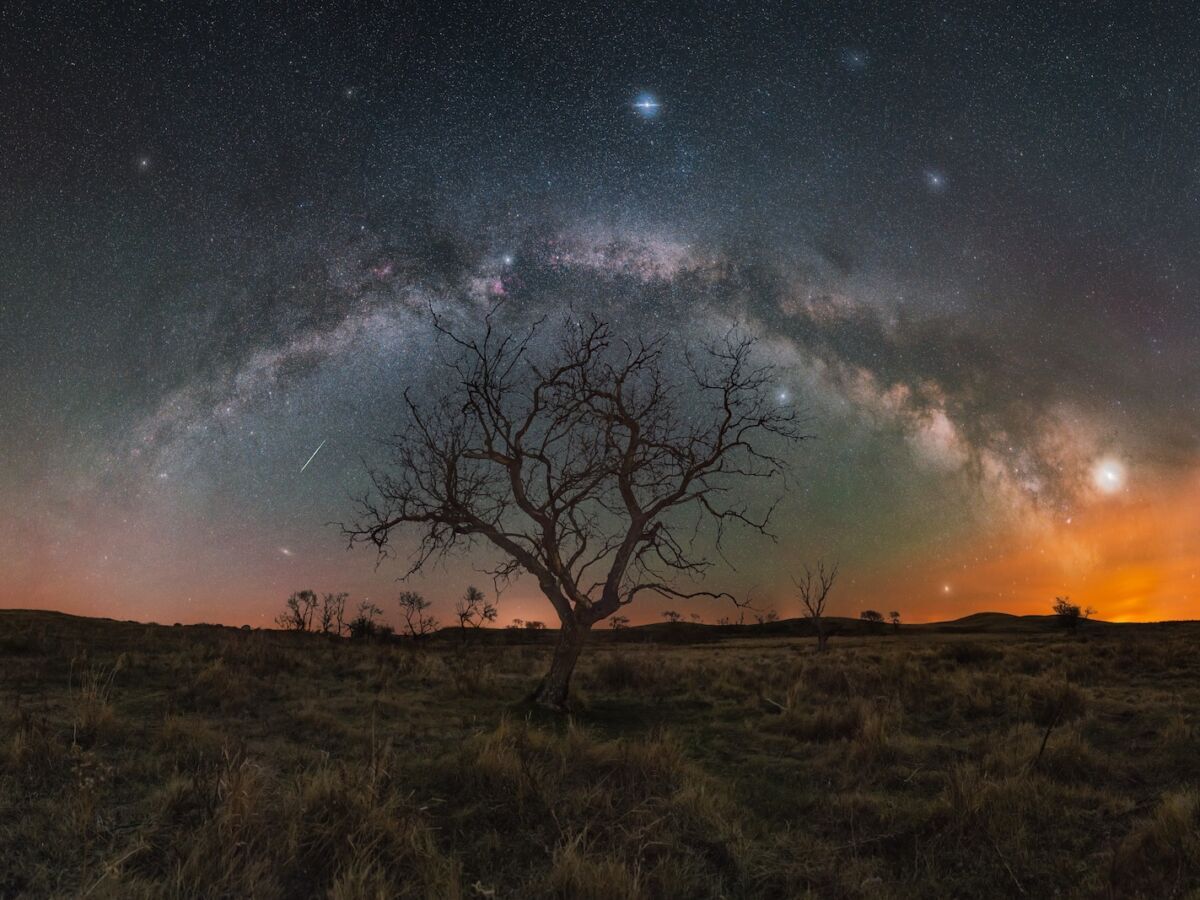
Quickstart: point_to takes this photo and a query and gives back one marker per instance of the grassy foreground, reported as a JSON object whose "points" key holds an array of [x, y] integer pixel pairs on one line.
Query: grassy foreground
{"points": [[145, 761]]}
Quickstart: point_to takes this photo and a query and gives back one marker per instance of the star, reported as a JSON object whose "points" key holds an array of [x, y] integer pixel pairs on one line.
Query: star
{"points": [[647, 106], [1108, 475], [144, 163], [853, 59], [935, 180]]}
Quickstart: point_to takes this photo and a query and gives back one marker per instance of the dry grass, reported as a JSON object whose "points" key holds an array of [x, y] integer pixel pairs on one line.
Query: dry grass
{"points": [[138, 761]]}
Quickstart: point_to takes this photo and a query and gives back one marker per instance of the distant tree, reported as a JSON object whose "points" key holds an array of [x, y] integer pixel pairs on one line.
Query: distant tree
{"points": [[414, 608], [696, 617], [873, 619], [363, 625], [894, 618], [766, 617], [814, 588], [1070, 614], [298, 611], [333, 613], [474, 609], [724, 621], [1065, 609], [535, 626], [669, 615], [516, 625], [616, 623]]}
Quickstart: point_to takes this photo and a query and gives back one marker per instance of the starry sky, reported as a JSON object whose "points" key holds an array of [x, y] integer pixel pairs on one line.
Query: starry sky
{"points": [[967, 238]]}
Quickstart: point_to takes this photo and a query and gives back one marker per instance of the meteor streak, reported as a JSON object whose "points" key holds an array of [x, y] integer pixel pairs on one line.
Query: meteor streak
{"points": [[314, 455]]}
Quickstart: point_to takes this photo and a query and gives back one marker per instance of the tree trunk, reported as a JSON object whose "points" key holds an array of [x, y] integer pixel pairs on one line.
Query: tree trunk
{"points": [[552, 692], [822, 637]]}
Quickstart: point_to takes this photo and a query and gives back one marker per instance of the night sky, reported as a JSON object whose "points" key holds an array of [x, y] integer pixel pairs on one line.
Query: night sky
{"points": [[969, 239]]}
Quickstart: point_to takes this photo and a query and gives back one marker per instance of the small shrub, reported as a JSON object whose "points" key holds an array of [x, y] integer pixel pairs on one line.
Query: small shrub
{"points": [[93, 689]]}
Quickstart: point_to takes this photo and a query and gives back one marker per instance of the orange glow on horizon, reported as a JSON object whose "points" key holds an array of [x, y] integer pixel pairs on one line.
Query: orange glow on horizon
{"points": [[1133, 557]]}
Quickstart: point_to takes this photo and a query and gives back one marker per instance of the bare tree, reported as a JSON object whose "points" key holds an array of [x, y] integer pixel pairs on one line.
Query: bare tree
{"points": [[414, 608], [814, 588], [474, 609], [333, 613], [592, 468], [298, 612], [670, 615], [616, 623], [894, 618]]}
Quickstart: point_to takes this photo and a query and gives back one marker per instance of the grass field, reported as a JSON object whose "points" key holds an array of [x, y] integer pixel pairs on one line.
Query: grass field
{"points": [[149, 761]]}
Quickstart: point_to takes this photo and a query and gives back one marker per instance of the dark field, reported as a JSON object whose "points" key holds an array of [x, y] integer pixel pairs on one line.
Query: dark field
{"points": [[147, 761]]}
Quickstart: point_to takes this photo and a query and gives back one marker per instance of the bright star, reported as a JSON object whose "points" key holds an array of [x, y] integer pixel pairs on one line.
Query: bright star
{"points": [[935, 180], [647, 106], [1108, 475], [144, 163], [854, 59], [508, 260]]}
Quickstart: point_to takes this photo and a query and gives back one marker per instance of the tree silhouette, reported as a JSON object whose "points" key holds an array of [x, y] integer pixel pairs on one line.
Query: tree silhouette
{"points": [[364, 624], [474, 609], [414, 608], [872, 618], [333, 613], [588, 467], [814, 588], [298, 611], [1070, 614]]}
